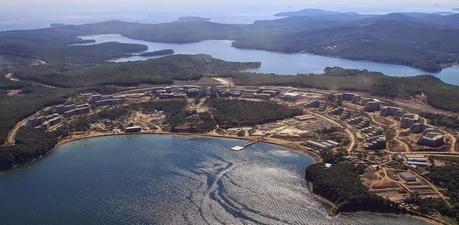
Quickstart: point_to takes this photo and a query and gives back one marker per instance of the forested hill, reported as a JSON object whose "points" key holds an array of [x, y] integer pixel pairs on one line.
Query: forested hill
{"points": [[154, 71], [425, 41], [439, 94]]}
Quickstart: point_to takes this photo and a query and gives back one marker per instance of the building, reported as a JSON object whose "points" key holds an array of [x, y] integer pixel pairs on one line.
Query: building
{"points": [[62, 108], [317, 146], [55, 121], [165, 95], [320, 104], [290, 96], [359, 122], [262, 96], [336, 111], [389, 111], [364, 101], [416, 160], [341, 112], [365, 122], [357, 99], [407, 120], [432, 139], [345, 115], [304, 117], [98, 97], [375, 143], [337, 98], [133, 129], [322, 146], [399, 114], [333, 143], [373, 106], [349, 96], [408, 177], [272, 93], [192, 92], [235, 94], [36, 121], [77, 111], [421, 127], [372, 131], [248, 93]]}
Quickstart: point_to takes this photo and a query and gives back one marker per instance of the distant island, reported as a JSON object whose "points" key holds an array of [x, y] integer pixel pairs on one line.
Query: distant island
{"points": [[57, 24], [188, 19], [158, 53], [313, 13]]}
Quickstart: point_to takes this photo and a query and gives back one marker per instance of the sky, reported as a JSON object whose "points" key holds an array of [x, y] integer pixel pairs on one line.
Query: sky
{"points": [[21, 14]]}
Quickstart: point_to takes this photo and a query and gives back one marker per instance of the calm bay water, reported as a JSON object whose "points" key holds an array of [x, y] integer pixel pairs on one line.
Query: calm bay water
{"points": [[168, 180], [273, 62]]}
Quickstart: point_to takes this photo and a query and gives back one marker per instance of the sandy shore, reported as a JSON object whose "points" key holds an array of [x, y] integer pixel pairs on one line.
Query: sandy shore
{"points": [[286, 144]]}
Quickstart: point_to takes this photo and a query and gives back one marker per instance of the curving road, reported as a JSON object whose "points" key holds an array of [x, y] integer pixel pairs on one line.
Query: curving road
{"points": [[348, 131]]}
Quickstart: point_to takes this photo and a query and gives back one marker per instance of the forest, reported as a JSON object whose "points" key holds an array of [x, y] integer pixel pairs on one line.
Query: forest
{"points": [[341, 185], [236, 113]]}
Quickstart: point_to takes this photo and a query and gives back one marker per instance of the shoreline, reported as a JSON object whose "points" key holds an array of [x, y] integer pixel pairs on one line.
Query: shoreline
{"points": [[314, 157]]}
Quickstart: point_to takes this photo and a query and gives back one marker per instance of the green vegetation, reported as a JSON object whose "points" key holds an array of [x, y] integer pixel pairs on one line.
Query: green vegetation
{"points": [[427, 42], [154, 71], [237, 113], [34, 98], [448, 177], [430, 205], [451, 122], [83, 123], [193, 122], [341, 185], [332, 133], [177, 118], [94, 77], [158, 53], [54, 45], [170, 107], [30, 144], [439, 94], [396, 165]]}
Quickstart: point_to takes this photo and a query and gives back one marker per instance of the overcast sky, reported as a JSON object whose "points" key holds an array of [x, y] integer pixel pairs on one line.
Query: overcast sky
{"points": [[245, 5], [33, 13]]}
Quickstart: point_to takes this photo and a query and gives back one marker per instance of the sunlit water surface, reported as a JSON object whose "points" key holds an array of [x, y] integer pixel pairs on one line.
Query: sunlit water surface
{"points": [[168, 180]]}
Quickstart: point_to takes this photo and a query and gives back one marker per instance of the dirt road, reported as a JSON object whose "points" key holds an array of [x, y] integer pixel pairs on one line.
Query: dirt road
{"points": [[224, 82]]}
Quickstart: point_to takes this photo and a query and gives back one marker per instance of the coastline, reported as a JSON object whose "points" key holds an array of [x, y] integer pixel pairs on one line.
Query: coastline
{"points": [[314, 156], [333, 212]]}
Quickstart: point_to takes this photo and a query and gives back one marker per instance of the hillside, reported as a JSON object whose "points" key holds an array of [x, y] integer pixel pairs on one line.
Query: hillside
{"points": [[439, 94], [154, 71], [421, 40]]}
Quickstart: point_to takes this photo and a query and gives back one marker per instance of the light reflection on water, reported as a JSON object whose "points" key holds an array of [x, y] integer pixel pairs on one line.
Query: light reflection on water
{"points": [[168, 180]]}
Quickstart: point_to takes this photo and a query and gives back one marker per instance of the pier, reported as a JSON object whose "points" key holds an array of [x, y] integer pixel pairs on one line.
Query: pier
{"points": [[240, 148]]}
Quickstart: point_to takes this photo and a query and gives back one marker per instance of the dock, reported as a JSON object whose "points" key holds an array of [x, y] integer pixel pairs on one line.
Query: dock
{"points": [[240, 148]]}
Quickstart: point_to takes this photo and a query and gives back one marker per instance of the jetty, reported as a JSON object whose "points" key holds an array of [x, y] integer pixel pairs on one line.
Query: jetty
{"points": [[242, 147]]}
